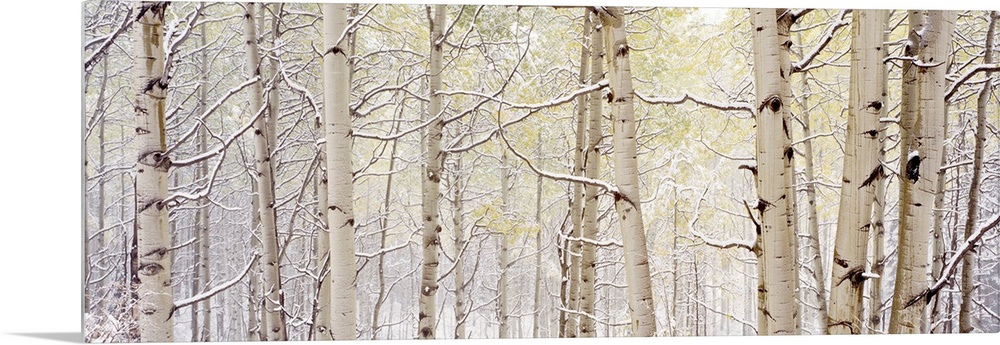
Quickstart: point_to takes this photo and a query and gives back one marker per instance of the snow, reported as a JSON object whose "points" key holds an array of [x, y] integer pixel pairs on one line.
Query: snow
{"points": [[913, 154]]}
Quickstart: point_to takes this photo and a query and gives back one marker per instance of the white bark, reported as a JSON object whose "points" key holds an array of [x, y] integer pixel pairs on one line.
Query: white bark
{"points": [[574, 320], [271, 277], [774, 157], [340, 212], [813, 253], [592, 170], [627, 202], [502, 239], [925, 141], [457, 203], [427, 318], [862, 171], [155, 304], [965, 321], [204, 219]]}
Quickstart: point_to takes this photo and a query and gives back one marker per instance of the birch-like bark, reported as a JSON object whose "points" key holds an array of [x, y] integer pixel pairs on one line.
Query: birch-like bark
{"points": [[271, 277], [155, 298], [965, 322], [875, 314], [340, 190], [923, 148], [256, 323], [321, 245], [592, 170], [536, 319], [384, 228], [627, 203], [204, 219], [774, 157], [502, 238], [862, 171], [813, 254], [458, 189], [427, 318], [573, 320]]}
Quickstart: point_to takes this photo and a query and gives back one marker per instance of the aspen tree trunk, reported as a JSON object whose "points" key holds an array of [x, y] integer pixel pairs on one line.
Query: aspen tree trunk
{"points": [[878, 227], [503, 285], [862, 171], [321, 311], [875, 314], [256, 323], [923, 147], [458, 188], [204, 219], [965, 323], [627, 203], [271, 277], [340, 213], [106, 237], [384, 227], [576, 246], [812, 240], [537, 309], [155, 298], [592, 170], [932, 317], [427, 319], [774, 157]]}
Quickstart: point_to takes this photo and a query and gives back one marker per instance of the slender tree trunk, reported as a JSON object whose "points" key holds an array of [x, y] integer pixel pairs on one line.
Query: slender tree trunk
{"points": [[431, 184], [573, 322], [458, 189], [862, 172], [536, 319], [592, 170], [627, 202], [321, 310], [923, 144], [256, 323], [383, 229], [774, 157], [503, 287], [271, 278], [965, 323], [813, 252], [204, 218], [155, 298], [340, 213]]}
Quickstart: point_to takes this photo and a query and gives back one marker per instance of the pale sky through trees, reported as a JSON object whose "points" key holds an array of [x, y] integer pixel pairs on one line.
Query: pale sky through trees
{"points": [[300, 171]]}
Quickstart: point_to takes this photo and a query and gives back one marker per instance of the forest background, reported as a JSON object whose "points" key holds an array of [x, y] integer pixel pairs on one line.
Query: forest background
{"points": [[41, 207]]}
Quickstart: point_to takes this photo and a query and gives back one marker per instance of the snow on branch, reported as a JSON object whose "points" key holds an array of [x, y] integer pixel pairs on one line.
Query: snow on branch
{"points": [[547, 104], [232, 137], [953, 262], [204, 115], [108, 40], [610, 188], [214, 291], [960, 80], [737, 106], [803, 64]]}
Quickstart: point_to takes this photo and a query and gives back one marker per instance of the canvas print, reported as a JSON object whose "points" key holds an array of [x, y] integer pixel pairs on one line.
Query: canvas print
{"points": [[309, 171]]}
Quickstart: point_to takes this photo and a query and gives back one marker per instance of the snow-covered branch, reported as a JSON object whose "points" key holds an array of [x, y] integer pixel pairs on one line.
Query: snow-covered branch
{"points": [[960, 80], [610, 188], [803, 64], [736, 106], [214, 291], [953, 262]]}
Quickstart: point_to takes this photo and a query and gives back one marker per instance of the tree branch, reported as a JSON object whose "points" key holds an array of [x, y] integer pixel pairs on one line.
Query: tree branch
{"points": [[214, 291]]}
